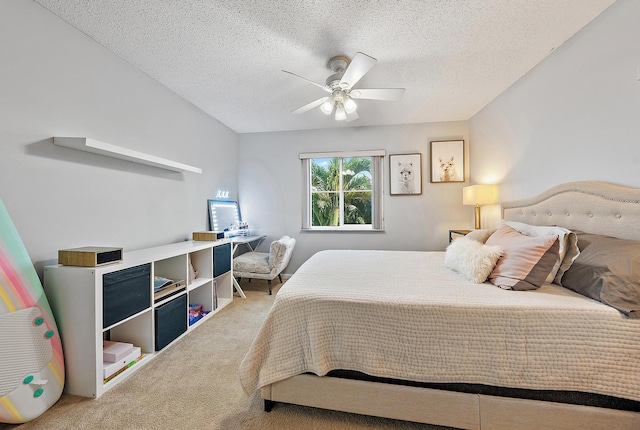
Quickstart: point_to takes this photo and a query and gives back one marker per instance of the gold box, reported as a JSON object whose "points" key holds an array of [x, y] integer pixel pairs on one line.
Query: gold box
{"points": [[89, 256], [209, 236]]}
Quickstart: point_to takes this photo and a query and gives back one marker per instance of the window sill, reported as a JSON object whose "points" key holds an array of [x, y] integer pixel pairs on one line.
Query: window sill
{"points": [[341, 230]]}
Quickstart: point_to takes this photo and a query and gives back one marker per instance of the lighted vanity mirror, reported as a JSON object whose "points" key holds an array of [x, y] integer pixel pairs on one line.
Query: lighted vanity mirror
{"points": [[223, 214]]}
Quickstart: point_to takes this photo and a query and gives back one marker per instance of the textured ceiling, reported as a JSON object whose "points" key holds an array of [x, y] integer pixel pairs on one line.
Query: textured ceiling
{"points": [[225, 56]]}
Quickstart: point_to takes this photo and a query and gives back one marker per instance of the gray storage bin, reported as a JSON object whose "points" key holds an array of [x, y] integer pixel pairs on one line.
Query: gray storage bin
{"points": [[125, 293]]}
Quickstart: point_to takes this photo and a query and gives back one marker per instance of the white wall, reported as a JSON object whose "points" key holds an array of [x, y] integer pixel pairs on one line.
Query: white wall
{"points": [[55, 81], [269, 186], [575, 117]]}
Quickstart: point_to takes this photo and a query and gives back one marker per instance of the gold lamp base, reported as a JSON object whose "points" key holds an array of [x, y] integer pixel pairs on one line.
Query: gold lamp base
{"points": [[476, 195], [477, 217]]}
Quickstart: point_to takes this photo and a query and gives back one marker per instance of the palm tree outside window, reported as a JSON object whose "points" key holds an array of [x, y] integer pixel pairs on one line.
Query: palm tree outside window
{"points": [[343, 192]]}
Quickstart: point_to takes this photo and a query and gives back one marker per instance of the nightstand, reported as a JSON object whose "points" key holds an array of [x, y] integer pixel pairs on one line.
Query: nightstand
{"points": [[454, 234]]}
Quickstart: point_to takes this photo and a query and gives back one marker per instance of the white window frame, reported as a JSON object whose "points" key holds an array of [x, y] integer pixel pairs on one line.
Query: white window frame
{"points": [[377, 190]]}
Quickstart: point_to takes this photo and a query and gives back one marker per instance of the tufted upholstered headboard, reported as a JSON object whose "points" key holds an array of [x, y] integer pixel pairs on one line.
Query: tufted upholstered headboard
{"points": [[594, 207]]}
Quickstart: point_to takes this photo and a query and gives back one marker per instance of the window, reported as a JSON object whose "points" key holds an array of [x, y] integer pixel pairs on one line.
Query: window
{"points": [[343, 191]]}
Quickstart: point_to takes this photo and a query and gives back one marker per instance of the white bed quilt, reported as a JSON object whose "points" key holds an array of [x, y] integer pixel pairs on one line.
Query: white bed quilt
{"points": [[402, 314]]}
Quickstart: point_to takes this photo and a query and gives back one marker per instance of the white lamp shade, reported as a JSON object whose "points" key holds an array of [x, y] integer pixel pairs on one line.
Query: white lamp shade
{"points": [[480, 195], [349, 105], [327, 107]]}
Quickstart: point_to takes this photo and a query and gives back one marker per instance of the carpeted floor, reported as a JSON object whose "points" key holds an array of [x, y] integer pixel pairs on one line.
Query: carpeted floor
{"points": [[194, 384]]}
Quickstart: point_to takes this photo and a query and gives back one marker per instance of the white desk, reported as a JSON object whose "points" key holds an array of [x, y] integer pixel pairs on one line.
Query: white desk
{"points": [[251, 242]]}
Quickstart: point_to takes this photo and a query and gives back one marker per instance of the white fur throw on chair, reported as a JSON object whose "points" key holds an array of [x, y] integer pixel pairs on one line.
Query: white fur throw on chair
{"points": [[265, 265]]}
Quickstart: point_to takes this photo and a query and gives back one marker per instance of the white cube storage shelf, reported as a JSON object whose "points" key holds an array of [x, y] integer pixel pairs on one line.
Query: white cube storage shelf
{"points": [[77, 298]]}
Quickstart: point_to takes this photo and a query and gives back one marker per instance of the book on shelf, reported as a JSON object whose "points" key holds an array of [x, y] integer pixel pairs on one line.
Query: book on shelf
{"points": [[215, 295], [168, 290], [110, 369], [160, 282], [115, 351], [109, 378]]}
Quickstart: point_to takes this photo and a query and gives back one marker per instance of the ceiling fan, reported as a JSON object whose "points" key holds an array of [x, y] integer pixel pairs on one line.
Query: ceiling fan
{"points": [[340, 85]]}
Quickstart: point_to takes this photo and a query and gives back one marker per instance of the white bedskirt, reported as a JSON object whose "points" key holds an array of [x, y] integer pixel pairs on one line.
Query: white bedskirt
{"points": [[403, 315]]}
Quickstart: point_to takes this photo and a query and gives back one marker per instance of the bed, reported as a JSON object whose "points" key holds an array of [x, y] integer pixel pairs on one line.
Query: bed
{"points": [[398, 334]]}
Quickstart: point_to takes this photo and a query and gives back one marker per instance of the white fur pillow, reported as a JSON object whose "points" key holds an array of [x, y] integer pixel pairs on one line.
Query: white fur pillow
{"points": [[472, 259]]}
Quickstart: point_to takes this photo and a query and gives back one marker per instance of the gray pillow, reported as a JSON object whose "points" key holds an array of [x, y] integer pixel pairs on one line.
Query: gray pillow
{"points": [[608, 270]]}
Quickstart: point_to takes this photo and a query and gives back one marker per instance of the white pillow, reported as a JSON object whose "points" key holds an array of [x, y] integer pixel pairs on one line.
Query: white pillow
{"points": [[481, 235], [566, 238], [472, 259]]}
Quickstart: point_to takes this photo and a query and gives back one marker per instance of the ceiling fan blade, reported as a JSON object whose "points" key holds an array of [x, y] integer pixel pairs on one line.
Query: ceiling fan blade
{"points": [[357, 68], [352, 116], [311, 82], [311, 105], [377, 93]]}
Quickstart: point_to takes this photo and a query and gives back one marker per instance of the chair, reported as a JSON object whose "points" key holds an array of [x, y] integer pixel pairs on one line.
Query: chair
{"points": [[265, 265]]}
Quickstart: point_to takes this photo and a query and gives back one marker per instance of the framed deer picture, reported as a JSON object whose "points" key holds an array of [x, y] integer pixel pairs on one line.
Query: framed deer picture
{"points": [[447, 161]]}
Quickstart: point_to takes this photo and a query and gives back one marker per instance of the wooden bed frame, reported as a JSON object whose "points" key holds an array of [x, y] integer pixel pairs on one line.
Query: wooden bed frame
{"points": [[593, 207]]}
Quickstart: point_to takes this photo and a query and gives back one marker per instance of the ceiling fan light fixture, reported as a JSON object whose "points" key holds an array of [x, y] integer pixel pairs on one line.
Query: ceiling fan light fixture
{"points": [[347, 73], [341, 114], [327, 107], [349, 105]]}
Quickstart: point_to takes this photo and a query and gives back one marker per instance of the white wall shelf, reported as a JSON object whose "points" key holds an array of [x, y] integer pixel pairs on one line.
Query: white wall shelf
{"points": [[97, 147]]}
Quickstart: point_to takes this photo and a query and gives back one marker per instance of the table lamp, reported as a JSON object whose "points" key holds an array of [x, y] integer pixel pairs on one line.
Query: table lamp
{"points": [[478, 195]]}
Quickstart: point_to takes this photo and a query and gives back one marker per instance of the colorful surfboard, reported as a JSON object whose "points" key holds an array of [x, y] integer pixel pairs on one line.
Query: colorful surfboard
{"points": [[31, 360]]}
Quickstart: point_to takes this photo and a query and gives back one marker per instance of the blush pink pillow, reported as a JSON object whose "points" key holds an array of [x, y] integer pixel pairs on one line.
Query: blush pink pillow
{"points": [[526, 260]]}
